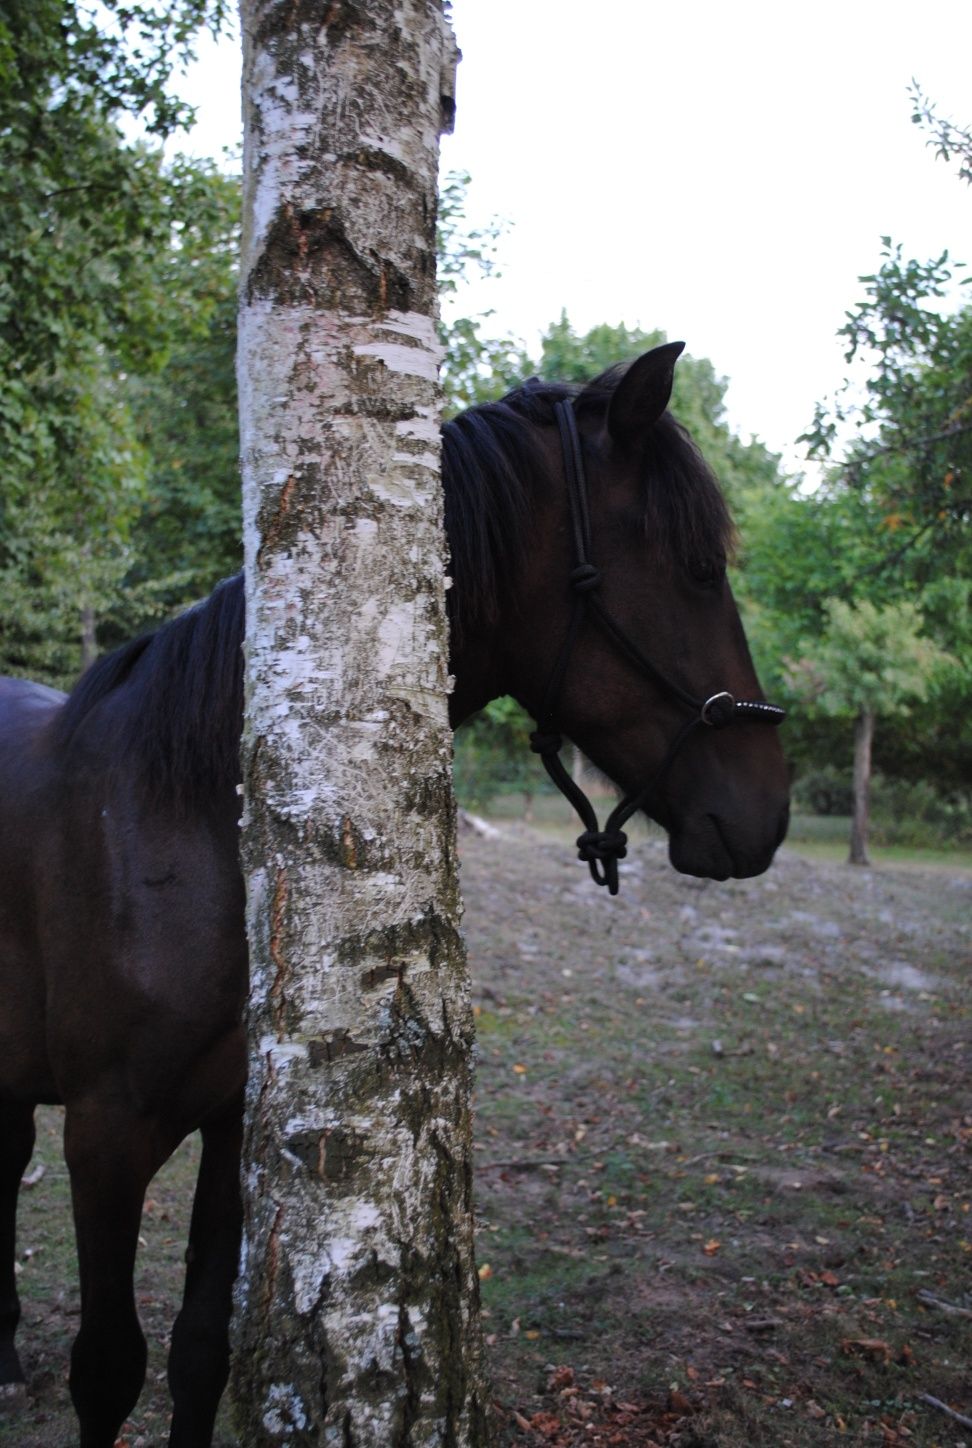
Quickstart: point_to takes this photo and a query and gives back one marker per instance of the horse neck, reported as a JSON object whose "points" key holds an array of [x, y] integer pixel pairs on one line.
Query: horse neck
{"points": [[479, 677]]}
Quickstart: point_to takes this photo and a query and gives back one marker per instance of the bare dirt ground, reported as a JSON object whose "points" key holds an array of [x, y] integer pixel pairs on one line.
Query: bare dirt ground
{"points": [[723, 1187]]}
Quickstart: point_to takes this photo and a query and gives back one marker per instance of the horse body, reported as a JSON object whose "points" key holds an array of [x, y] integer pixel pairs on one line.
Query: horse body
{"points": [[123, 977], [25, 779], [132, 882], [123, 962]]}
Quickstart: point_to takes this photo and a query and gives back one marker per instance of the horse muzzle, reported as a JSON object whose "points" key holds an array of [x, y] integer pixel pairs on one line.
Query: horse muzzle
{"points": [[717, 846]]}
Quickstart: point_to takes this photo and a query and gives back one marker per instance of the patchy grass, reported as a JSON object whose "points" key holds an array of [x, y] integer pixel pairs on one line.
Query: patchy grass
{"points": [[905, 856], [733, 1194], [722, 1138]]}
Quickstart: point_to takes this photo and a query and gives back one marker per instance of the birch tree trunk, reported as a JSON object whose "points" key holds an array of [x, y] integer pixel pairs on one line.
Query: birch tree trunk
{"points": [[356, 1308], [860, 820]]}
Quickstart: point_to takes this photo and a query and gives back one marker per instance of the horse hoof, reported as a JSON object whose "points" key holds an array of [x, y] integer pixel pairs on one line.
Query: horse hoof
{"points": [[13, 1397]]}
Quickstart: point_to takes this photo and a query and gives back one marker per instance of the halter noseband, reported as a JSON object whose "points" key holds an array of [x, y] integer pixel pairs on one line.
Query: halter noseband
{"points": [[602, 849]]}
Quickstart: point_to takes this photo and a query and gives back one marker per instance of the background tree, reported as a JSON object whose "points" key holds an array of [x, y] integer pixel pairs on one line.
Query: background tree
{"points": [[890, 523], [185, 416], [476, 366], [358, 1289], [89, 227], [868, 663], [950, 141]]}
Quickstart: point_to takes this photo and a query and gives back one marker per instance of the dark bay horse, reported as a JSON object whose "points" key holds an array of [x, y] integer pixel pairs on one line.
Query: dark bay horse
{"points": [[123, 963]]}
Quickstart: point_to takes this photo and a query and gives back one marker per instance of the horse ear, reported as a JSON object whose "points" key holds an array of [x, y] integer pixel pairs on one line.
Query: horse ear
{"points": [[643, 393]]}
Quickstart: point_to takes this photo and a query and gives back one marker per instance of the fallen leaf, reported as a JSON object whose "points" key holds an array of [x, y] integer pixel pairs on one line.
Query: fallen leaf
{"points": [[875, 1349], [560, 1378], [711, 1247]]}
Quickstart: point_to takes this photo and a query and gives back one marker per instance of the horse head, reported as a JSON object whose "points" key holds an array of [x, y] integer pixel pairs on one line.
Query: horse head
{"points": [[611, 619]]}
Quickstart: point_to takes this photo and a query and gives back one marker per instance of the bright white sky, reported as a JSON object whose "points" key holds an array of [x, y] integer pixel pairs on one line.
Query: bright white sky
{"points": [[721, 169]]}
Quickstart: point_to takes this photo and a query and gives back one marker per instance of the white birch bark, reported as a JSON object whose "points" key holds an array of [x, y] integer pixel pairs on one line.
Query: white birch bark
{"points": [[356, 1308]]}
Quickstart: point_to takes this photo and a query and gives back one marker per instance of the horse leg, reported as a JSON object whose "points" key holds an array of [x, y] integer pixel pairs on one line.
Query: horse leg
{"points": [[200, 1353], [111, 1156], [16, 1146]]}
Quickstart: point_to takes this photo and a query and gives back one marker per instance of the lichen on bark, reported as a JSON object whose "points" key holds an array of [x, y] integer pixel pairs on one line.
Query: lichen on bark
{"points": [[356, 1309]]}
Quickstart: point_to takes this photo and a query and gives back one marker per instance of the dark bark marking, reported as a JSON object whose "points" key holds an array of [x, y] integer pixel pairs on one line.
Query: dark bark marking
{"points": [[380, 973], [334, 1155], [349, 848], [429, 935], [290, 17], [278, 909], [322, 1052], [273, 1267], [308, 256], [274, 516], [369, 158]]}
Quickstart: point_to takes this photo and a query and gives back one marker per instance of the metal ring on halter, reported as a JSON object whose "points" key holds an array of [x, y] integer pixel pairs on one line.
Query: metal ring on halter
{"points": [[725, 707]]}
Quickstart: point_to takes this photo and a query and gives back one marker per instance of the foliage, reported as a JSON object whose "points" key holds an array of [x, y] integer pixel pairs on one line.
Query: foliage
{"points": [[698, 399], [493, 756], [868, 663], [475, 367], [916, 813], [911, 452], [909, 458], [93, 236], [919, 814], [867, 658], [890, 525], [185, 416], [950, 142]]}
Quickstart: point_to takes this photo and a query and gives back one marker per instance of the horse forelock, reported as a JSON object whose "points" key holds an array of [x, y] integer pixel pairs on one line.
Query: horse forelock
{"points": [[687, 519], [491, 457]]}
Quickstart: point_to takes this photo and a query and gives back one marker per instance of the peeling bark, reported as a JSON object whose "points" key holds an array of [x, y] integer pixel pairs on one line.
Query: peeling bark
{"points": [[356, 1309]]}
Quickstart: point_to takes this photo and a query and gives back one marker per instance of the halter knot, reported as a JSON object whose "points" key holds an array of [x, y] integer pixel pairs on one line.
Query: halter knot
{"points": [[585, 577], [602, 845], [545, 744]]}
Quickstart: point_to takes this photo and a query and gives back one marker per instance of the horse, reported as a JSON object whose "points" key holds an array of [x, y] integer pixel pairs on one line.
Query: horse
{"points": [[588, 543]]}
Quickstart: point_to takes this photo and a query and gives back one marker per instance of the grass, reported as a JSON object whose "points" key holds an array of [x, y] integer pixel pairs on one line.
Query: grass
{"points": [[745, 1206], [722, 1136]]}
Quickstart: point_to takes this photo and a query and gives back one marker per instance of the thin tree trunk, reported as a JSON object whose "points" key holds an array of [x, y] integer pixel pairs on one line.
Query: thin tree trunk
{"points": [[863, 739], [356, 1309], [89, 636]]}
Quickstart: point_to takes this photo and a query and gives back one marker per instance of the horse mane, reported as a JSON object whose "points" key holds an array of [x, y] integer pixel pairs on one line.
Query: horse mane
{"points": [[183, 707], [182, 714]]}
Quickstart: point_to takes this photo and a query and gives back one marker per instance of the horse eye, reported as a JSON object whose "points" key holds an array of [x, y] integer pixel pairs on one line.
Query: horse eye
{"points": [[708, 573]]}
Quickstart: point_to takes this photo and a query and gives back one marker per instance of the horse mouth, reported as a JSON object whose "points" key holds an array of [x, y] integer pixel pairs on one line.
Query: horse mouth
{"points": [[710, 850]]}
